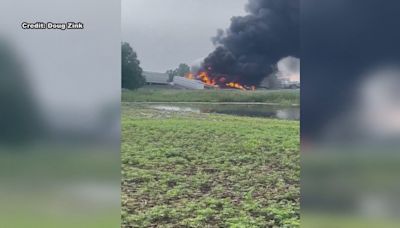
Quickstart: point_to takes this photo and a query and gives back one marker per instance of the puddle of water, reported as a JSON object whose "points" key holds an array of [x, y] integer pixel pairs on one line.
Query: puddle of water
{"points": [[251, 110], [174, 108]]}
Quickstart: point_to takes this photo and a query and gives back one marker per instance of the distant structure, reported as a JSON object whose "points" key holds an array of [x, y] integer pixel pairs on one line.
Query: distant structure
{"points": [[154, 78], [273, 82], [187, 83]]}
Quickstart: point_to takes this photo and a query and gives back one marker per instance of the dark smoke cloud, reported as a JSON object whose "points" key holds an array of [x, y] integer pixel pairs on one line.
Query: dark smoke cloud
{"points": [[247, 51], [341, 40]]}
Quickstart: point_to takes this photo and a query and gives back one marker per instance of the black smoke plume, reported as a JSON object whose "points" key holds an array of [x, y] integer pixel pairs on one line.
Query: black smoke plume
{"points": [[248, 50]]}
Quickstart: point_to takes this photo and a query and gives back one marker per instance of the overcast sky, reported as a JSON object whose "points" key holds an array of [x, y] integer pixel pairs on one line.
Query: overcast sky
{"points": [[165, 33], [71, 71]]}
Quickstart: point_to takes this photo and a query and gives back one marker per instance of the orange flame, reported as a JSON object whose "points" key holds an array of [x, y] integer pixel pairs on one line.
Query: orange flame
{"points": [[235, 85], [206, 79], [189, 75], [203, 76]]}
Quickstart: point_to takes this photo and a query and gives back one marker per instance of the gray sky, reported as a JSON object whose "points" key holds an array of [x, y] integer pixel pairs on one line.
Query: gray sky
{"points": [[73, 70], [165, 33]]}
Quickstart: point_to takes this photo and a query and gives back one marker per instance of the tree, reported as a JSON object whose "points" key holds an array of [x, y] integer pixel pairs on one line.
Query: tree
{"points": [[20, 118], [182, 70], [171, 74], [132, 73]]}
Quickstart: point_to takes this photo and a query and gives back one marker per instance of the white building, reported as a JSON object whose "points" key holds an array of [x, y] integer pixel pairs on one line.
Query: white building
{"points": [[156, 78], [187, 83]]}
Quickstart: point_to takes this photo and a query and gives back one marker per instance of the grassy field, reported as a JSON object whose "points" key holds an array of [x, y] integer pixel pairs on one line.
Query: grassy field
{"points": [[208, 170], [173, 95]]}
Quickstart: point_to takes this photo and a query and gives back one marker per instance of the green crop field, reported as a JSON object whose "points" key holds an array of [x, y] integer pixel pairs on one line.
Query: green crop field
{"points": [[174, 95], [208, 170]]}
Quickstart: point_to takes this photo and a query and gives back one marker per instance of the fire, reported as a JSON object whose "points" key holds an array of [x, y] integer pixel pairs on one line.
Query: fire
{"points": [[235, 85], [203, 76], [218, 81], [189, 76]]}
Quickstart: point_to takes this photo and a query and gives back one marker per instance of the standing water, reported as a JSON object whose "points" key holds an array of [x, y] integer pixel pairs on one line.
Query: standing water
{"points": [[237, 109]]}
